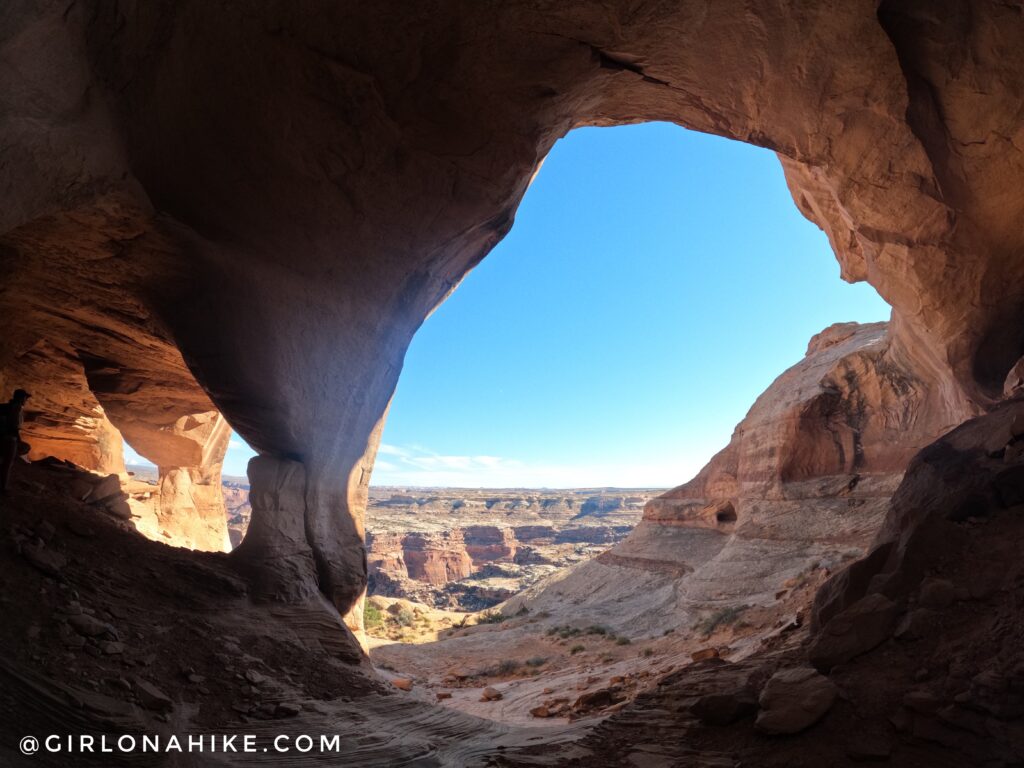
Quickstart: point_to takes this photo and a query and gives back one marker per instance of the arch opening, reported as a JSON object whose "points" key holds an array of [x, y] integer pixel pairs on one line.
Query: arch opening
{"points": [[465, 531]]}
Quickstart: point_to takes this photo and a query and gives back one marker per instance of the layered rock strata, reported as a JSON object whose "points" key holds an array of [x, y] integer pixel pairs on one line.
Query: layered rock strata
{"points": [[802, 487], [919, 640], [447, 561], [171, 168]]}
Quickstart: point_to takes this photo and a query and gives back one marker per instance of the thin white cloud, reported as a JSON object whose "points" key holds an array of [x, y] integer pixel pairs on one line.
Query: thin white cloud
{"points": [[237, 445], [415, 466], [132, 457]]}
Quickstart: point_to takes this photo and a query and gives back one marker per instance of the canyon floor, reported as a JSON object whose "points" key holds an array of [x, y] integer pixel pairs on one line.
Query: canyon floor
{"points": [[127, 635], [109, 632], [475, 591]]}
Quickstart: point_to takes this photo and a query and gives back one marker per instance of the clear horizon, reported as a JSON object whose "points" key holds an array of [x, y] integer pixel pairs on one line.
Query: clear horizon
{"points": [[656, 281]]}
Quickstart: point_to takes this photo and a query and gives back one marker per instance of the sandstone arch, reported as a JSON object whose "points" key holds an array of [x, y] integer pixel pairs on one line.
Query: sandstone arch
{"points": [[284, 192]]}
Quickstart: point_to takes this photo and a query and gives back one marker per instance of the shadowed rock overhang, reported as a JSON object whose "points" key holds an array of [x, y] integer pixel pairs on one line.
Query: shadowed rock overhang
{"points": [[254, 207]]}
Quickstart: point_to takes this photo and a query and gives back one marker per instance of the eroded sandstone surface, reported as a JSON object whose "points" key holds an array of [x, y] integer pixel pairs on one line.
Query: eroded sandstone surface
{"points": [[163, 175], [244, 212], [802, 487]]}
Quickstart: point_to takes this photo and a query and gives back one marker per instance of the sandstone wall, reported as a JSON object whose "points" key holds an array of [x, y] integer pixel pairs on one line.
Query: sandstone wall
{"points": [[803, 486], [489, 543], [161, 196], [436, 559]]}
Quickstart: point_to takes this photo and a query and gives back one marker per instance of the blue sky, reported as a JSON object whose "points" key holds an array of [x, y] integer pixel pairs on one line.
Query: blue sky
{"points": [[655, 282]]}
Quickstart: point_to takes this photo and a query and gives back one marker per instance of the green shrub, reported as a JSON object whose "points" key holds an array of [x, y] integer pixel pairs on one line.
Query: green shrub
{"points": [[576, 649], [596, 629], [622, 641], [405, 617], [504, 667], [647, 653], [372, 616], [536, 661], [491, 617], [722, 618]]}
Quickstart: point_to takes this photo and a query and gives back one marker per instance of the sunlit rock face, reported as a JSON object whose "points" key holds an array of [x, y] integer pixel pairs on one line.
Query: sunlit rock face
{"points": [[161, 194], [855, 409], [436, 564], [63, 419], [188, 506], [803, 485], [489, 543]]}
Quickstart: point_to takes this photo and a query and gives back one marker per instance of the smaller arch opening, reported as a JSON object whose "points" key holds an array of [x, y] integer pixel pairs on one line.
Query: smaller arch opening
{"points": [[726, 515]]}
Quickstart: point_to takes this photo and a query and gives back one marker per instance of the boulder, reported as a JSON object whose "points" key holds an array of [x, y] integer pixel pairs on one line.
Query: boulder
{"points": [[118, 507], [793, 700], [724, 708], [599, 699], [1014, 383], [287, 709], [151, 697], [490, 694], [104, 489], [704, 654], [254, 677], [402, 683], [90, 626], [44, 560], [854, 631]]}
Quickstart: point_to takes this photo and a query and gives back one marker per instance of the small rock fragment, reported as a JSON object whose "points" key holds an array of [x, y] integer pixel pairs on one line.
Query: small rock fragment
{"points": [[44, 560], [89, 626], [151, 697], [704, 654]]}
